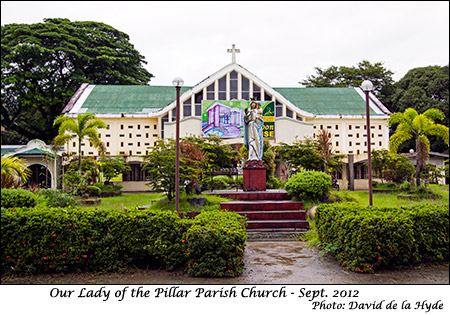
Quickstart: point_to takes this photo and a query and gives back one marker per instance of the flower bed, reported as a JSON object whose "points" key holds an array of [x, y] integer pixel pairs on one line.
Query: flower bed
{"points": [[364, 239], [76, 240]]}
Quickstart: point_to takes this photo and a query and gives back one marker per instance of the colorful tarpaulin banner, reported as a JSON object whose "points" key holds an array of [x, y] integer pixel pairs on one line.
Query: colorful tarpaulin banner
{"points": [[225, 119]]}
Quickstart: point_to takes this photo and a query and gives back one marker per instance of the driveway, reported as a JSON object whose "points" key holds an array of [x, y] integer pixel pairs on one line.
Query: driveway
{"points": [[267, 262]]}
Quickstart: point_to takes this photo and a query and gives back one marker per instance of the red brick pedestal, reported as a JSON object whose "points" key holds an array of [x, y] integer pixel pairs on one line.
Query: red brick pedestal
{"points": [[254, 176]]}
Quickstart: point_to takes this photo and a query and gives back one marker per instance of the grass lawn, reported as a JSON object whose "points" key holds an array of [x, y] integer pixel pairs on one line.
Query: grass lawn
{"points": [[391, 200], [129, 201], [133, 201]]}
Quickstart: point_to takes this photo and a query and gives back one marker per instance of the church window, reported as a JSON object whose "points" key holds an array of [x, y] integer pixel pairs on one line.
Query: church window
{"points": [[187, 108], [222, 89], [256, 92], [233, 85], [198, 103], [289, 113], [279, 110], [245, 85], [174, 114], [267, 97], [210, 94]]}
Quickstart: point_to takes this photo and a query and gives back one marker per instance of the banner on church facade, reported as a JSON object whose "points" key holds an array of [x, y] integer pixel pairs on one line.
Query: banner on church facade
{"points": [[225, 119]]}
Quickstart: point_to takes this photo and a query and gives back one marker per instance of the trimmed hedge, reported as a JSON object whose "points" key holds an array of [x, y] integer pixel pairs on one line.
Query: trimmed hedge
{"points": [[76, 240], [216, 244], [308, 185], [366, 239], [18, 198]]}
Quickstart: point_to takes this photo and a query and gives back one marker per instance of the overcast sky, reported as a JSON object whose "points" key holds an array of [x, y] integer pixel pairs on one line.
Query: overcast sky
{"points": [[280, 42]]}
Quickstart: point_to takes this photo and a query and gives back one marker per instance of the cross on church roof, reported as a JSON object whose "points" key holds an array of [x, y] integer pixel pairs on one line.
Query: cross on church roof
{"points": [[233, 52]]}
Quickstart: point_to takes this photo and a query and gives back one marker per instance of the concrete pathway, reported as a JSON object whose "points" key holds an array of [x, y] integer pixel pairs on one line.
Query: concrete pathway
{"points": [[267, 262]]}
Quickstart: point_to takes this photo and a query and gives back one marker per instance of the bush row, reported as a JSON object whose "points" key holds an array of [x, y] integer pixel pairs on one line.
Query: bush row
{"points": [[365, 239], [76, 240]]}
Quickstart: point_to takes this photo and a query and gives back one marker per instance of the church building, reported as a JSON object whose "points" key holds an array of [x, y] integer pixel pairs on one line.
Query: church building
{"points": [[137, 116]]}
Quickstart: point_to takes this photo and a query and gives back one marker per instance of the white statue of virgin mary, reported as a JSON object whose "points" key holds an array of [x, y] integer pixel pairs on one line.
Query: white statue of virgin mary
{"points": [[253, 135]]}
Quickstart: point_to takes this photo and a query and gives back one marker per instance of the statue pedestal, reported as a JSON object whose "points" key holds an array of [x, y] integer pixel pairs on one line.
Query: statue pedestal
{"points": [[254, 176]]}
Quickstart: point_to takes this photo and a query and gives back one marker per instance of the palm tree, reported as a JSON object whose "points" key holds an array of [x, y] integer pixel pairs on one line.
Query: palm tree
{"points": [[14, 172], [85, 125], [412, 125], [325, 148]]}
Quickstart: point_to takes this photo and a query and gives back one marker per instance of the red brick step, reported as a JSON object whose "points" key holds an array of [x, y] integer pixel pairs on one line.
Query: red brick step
{"points": [[261, 205]]}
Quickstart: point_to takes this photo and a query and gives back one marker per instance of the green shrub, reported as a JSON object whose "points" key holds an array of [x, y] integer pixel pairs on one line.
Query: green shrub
{"points": [[93, 191], [57, 198], [67, 240], [308, 185], [18, 198], [366, 239], [216, 244], [274, 183], [405, 186], [74, 240]]}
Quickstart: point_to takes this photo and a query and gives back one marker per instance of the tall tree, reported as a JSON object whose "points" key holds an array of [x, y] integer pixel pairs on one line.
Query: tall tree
{"points": [[325, 148], [85, 126], [423, 88], [411, 125], [353, 77], [43, 64]]}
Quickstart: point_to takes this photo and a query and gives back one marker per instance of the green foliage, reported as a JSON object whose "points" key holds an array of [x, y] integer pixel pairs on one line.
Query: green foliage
{"points": [[366, 239], [216, 244], [301, 155], [18, 198], [354, 76], [218, 155], [112, 167], [56, 198], [84, 126], [43, 65], [308, 185], [77, 240], [431, 174], [14, 172], [422, 88], [93, 191], [411, 125]]}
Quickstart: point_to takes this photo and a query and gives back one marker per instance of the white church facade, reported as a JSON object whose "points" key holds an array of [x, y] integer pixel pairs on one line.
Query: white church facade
{"points": [[137, 116]]}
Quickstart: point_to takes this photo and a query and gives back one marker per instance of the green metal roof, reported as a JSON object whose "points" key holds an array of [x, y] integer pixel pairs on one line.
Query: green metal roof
{"points": [[326, 101], [129, 98], [35, 151], [7, 150]]}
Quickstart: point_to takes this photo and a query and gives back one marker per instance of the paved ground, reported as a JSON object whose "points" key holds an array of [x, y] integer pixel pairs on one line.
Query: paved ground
{"points": [[267, 262]]}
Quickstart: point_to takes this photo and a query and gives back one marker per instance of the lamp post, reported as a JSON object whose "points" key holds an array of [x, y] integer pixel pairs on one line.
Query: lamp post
{"points": [[367, 86], [177, 83]]}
